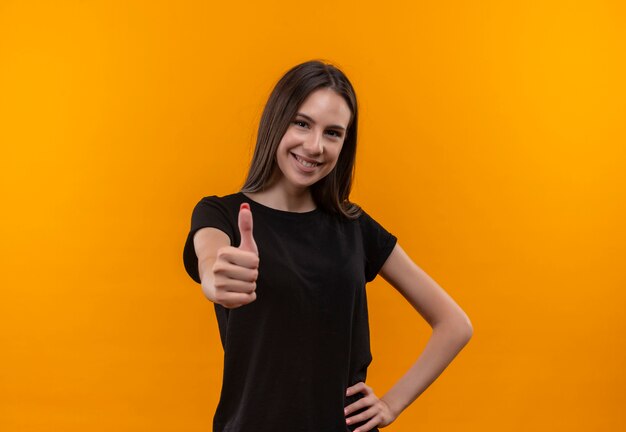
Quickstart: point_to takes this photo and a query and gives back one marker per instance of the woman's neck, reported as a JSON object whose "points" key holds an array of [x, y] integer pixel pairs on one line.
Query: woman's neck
{"points": [[276, 197]]}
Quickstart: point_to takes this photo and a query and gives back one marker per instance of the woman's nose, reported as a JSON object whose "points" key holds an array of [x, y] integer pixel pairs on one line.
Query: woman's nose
{"points": [[313, 144]]}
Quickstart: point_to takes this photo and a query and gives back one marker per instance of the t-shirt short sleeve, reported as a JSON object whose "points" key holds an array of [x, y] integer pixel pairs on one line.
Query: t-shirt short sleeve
{"points": [[209, 212], [377, 243]]}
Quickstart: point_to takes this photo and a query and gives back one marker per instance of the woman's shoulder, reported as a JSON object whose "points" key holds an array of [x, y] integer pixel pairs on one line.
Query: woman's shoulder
{"points": [[224, 205], [366, 220]]}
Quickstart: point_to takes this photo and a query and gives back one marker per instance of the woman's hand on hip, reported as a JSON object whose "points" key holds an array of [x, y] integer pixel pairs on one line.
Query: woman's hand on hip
{"points": [[376, 410]]}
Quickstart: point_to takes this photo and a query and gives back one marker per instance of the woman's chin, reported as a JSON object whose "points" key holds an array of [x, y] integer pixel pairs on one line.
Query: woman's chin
{"points": [[298, 184]]}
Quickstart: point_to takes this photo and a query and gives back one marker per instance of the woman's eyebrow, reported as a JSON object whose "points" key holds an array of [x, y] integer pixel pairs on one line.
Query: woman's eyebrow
{"points": [[313, 121]]}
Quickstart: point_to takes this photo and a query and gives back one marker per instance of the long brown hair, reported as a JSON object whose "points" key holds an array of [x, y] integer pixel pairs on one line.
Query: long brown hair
{"points": [[331, 192]]}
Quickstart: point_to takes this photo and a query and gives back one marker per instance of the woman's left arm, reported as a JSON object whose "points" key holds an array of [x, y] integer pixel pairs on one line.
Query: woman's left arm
{"points": [[452, 330]]}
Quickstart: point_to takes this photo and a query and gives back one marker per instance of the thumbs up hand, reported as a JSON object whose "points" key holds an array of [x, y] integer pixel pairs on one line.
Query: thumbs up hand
{"points": [[236, 269]]}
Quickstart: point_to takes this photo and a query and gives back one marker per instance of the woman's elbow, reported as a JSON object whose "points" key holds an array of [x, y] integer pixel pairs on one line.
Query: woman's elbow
{"points": [[469, 330], [465, 328], [458, 326]]}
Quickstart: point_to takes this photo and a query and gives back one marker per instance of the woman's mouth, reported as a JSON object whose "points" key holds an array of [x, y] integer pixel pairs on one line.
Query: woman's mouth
{"points": [[305, 163]]}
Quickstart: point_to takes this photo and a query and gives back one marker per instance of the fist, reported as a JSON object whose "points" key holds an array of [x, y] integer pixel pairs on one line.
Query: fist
{"points": [[236, 269]]}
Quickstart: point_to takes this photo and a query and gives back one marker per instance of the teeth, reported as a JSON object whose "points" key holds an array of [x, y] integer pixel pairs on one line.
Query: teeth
{"points": [[305, 163]]}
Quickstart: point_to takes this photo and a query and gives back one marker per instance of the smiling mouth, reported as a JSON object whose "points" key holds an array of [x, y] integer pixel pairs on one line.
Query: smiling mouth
{"points": [[305, 163]]}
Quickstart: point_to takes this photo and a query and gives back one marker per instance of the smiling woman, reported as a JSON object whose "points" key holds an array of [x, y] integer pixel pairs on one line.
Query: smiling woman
{"points": [[311, 114], [308, 153], [289, 290]]}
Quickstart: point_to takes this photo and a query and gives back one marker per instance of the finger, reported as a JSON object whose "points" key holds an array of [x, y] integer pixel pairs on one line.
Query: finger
{"points": [[375, 421], [239, 257], [363, 402], [234, 285], [357, 388], [233, 300], [369, 413], [245, 229], [232, 271]]}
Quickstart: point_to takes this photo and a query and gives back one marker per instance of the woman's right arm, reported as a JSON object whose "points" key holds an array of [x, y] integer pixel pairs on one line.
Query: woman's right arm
{"points": [[207, 241]]}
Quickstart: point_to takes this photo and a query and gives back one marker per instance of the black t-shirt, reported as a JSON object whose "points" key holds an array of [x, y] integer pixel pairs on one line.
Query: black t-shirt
{"points": [[290, 355]]}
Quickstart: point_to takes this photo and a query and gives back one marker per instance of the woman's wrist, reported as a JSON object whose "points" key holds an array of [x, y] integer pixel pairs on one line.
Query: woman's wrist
{"points": [[394, 406]]}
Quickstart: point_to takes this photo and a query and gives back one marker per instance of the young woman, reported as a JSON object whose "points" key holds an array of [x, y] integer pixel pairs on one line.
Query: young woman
{"points": [[289, 295]]}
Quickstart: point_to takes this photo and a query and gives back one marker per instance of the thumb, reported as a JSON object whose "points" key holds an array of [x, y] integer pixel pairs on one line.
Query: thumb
{"points": [[245, 229]]}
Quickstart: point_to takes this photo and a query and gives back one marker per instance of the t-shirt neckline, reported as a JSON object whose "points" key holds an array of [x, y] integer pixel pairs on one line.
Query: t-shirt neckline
{"points": [[254, 205]]}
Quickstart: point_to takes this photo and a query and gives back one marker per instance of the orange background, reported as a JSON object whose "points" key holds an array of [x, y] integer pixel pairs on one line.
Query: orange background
{"points": [[492, 143]]}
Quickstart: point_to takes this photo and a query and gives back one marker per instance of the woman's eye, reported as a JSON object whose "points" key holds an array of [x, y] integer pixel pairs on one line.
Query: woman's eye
{"points": [[302, 123]]}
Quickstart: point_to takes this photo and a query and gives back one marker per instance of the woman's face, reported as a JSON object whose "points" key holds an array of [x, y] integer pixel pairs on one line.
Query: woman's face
{"points": [[310, 148]]}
